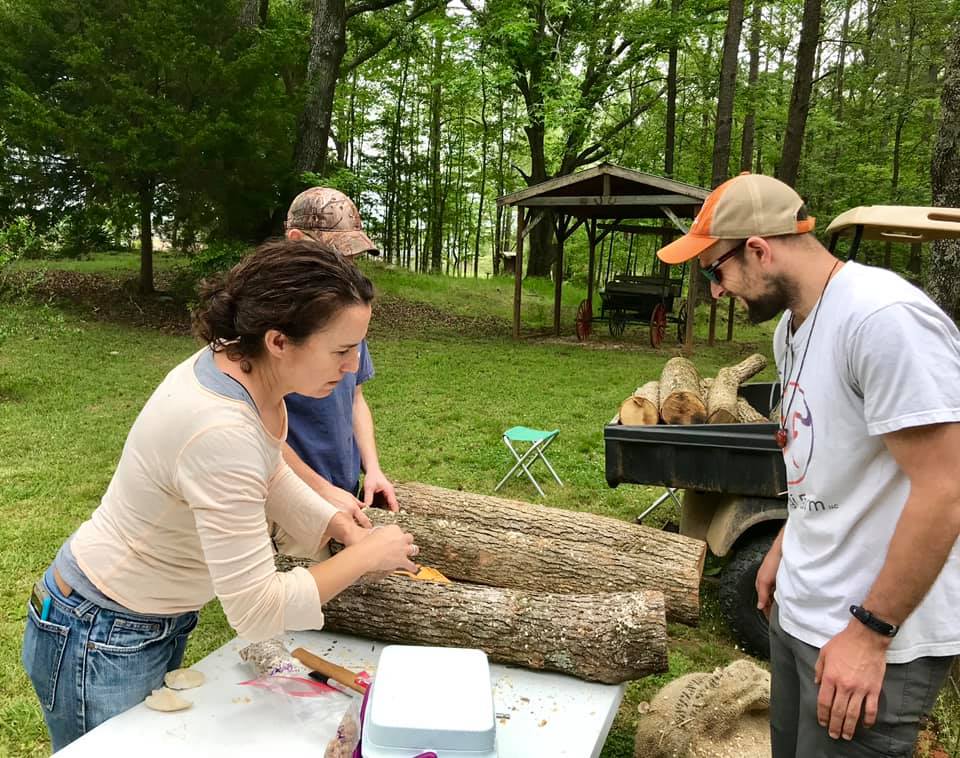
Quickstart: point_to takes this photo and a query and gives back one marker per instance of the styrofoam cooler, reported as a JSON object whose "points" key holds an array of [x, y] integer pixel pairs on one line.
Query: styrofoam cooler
{"points": [[434, 699]]}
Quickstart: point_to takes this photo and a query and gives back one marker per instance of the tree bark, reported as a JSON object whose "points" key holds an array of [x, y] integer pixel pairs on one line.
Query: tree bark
{"points": [[749, 120], [789, 166], [145, 197], [328, 43], [552, 523], [943, 279], [249, 14], [747, 414], [724, 124], [722, 398], [749, 367], [643, 406], [671, 125], [484, 554], [611, 637], [435, 231], [680, 399]]}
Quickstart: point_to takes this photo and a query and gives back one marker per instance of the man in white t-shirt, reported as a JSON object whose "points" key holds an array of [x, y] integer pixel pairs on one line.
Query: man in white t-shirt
{"points": [[862, 586]]}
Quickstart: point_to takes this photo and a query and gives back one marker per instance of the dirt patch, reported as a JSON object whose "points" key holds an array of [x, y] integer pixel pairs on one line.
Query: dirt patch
{"points": [[111, 299]]}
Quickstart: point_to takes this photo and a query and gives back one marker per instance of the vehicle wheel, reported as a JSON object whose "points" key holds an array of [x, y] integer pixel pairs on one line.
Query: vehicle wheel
{"points": [[738, 596], [682, 322], [618, 323], [658, 324], [584, 322]]}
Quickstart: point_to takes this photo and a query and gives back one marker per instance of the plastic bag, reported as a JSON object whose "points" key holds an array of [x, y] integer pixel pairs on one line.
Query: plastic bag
{"points": [[316, 708]]}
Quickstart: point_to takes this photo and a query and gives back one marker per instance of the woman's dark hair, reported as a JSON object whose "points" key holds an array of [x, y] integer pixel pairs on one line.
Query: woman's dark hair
{"points": [[294, 286]]}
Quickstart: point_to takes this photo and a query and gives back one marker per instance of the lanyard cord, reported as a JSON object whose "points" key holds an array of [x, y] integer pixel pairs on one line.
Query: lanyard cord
{"points": [[803, 358]]}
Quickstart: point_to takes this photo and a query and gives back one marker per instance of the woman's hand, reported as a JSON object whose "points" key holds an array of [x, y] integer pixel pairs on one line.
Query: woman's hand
{"points": [[346, 503], [389, 548], [345, 530]]}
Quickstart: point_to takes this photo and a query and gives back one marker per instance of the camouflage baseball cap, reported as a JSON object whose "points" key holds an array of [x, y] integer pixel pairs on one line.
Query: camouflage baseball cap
{"points": [[329, 216]]}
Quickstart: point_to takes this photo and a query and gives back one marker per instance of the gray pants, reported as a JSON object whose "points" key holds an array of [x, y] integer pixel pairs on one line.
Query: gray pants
{"points": [[909, 693]]}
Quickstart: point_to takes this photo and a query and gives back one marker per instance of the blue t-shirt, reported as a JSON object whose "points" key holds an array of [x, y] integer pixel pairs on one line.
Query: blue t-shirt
{"points": [[320, 430]]}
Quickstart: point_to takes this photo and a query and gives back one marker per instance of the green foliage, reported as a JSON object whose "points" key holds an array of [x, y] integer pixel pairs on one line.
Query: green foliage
{"points": [[216, 258], [20, 239], [83, 231]]}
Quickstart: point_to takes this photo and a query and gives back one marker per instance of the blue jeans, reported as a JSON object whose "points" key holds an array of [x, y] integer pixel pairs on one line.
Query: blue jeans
{"points": [[88, 663]]}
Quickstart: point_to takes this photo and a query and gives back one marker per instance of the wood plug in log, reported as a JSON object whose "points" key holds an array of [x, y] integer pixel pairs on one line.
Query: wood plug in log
{"points": [[642, 408], [681, 401], [747, 414], [484, 554], [610, 637]]}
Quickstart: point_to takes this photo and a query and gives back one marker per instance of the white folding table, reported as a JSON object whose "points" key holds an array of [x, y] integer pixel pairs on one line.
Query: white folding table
{"points": [[539, 714]]}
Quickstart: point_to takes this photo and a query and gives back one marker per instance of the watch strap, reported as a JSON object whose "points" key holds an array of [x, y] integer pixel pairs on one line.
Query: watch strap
{"points": [[870, 621]]}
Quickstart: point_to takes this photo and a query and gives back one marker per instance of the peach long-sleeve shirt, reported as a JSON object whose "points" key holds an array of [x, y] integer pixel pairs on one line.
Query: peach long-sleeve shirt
{"points": [[185, 515]]}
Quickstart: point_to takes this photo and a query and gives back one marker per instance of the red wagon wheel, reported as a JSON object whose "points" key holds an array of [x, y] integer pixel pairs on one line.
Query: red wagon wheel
{"points": [[584, 323], [658, 324]]}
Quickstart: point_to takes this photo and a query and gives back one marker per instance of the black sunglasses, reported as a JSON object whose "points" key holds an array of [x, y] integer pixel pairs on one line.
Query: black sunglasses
{"points": [[711, 272]]}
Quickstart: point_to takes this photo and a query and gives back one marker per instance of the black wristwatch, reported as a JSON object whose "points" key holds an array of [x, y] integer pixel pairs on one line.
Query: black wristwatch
{"points": [[872, 622]]}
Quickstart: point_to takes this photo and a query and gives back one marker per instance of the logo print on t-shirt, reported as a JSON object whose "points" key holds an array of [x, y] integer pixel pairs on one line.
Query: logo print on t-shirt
{"points": [[799, 450]]}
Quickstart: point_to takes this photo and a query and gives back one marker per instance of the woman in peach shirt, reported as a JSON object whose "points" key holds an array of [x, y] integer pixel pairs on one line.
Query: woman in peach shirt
{"points": [[184, 518]]}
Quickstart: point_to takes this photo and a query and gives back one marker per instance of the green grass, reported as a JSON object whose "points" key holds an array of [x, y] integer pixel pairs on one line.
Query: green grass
{"points": [[111, 262], [70, 389]]}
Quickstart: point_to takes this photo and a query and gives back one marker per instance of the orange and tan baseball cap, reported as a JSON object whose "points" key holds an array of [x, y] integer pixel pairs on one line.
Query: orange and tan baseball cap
{"points": [[745, 206], [329, 216]]}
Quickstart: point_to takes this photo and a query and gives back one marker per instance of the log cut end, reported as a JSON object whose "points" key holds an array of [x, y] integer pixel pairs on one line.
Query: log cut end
{"points": [[684, 408]]}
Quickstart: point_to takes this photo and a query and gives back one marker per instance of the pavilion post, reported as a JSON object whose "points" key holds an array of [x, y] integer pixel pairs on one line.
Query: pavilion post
{"points": [[518, 274], [730, 314], [562, 220], [592, 237]]}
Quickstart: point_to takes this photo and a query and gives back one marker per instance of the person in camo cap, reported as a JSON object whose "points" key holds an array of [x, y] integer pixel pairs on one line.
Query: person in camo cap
{"points": [[331, 439]]}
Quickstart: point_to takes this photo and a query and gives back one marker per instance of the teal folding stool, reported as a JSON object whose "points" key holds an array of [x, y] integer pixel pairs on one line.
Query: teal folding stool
{"points": [[538, 441]]}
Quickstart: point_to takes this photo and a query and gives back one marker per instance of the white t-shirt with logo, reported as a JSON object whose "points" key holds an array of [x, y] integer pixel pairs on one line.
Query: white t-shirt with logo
{"points": [[882, 358]]}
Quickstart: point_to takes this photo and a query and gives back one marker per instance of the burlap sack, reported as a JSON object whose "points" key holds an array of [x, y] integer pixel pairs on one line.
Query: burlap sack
{"points": [[717, 715]]}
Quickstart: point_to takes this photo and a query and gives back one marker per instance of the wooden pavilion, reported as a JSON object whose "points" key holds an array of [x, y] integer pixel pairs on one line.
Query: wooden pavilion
{"points": [[605, 192]]}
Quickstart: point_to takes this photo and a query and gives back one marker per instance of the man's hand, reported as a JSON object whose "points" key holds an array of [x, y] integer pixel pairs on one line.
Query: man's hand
{"points": [[767, 578], [374, 481], [850, 673], [346, 503]]}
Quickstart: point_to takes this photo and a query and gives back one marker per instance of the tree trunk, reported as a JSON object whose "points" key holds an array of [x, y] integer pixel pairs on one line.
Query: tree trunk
{"points": [[789, 166], [435, 231], [145, 196], [328, 43], [728, 86], [249, 14], [643, 406], [610, 637], [681, 401], [484, 554], [749, 120], [671, 125], [943, 280]]}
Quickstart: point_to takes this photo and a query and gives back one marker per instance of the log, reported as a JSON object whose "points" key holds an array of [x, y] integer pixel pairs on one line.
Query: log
{"points": [[642, 408], [685, 554], [749, 367], [483, 554], [681, 401], [610, 637], [722, 398], [722, 392], [747, 414]]}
